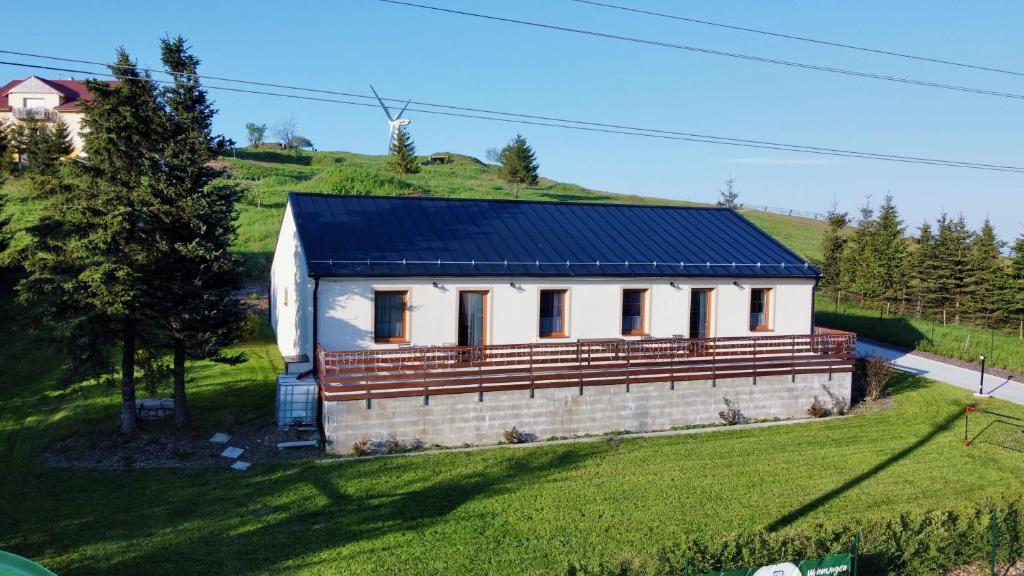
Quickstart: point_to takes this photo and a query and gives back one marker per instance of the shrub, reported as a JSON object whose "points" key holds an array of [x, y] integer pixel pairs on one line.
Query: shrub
{"points": [[877, 373], [390, 445], [732, 414], [363, 447], [250, 327], [517, 436], [840, 403], [360, 180], [909, 544], [817, 409]]}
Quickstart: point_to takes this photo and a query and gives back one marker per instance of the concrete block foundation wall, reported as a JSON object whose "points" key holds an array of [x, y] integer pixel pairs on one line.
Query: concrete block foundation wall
{"points": [[456, 419]]}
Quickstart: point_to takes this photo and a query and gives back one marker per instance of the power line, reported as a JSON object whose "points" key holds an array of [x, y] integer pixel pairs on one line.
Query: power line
{"points": [[593, 127], [762, 59], [803, 38], [781, 145]]}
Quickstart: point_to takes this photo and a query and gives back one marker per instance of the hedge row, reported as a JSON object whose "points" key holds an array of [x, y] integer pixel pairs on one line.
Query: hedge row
{"points": [[910, 544]]}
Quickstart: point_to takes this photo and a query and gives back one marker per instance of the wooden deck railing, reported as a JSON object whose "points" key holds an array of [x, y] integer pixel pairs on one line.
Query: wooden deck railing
{"points": [[435, 370]]}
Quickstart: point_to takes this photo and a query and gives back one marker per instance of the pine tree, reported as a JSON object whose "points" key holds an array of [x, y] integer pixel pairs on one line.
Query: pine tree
{"points": [[1016, 281], [889, 246], [920, 274], [5, 149], [832, 245], [92, 268], [61, 143], [5, 220], [728, 197], [403, 154], [45, 144], [985, 288], [861, 270], [519, 165], [198, 313], [950, 265]]}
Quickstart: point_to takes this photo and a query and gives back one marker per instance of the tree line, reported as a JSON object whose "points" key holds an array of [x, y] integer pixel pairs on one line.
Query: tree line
{"points": [[129, 261], [947, 271]]}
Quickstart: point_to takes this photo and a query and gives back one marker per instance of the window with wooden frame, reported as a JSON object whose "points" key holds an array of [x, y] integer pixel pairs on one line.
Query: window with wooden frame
{"points": [[760, 303], [391, 316], [552, 314], [633, 312]]}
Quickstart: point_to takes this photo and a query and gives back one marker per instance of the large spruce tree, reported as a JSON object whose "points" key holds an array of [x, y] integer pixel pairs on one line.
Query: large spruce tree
{"points": [[403, 154], [922, 259], [985, 292], [92, 267], [1017, 281], [832, 245], [861, 269], [519, 165], [952, 245], [889, 246], [196, 308]]}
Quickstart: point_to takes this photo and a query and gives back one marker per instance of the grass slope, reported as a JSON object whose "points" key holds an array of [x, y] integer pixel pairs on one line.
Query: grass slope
{"points": [[496, 511], [1002, 348], [271, 174]]}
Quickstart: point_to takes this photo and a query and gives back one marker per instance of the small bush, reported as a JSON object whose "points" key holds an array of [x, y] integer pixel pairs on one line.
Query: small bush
{"points": [[817, 409], [877, 373], [732, 414], [840, 403], [517, 436], [250, 327], [363, 447], [390, 445], [361, 181]]}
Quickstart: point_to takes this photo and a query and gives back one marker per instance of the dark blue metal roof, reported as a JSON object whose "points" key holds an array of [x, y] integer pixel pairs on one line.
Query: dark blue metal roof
{"points": [[409, 236]]}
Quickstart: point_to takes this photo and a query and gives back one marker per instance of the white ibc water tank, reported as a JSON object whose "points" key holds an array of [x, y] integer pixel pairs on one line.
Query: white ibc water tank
{"points": [[296, 401]]}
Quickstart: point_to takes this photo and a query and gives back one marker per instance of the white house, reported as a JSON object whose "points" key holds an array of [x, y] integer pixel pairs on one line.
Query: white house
{"points": [[479, 284], [36, 98]]}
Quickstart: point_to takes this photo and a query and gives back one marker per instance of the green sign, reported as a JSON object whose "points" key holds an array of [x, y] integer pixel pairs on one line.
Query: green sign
{"points": [[834, 565]]}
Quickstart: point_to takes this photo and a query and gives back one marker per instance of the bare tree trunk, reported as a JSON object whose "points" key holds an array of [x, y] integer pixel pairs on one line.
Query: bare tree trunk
{"points": [[129, 423], [180, 402]]}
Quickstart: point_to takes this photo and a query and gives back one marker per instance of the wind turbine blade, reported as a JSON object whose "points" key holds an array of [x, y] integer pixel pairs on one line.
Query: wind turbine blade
{"points": [[403, 110], [386, 111]]}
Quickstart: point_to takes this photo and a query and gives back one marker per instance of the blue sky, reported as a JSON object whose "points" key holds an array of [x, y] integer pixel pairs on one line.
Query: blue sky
{"points": [[427, 56]]}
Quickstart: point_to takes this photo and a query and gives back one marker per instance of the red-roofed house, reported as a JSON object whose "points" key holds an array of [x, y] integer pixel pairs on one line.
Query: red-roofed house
{"points": [[40, 99]]}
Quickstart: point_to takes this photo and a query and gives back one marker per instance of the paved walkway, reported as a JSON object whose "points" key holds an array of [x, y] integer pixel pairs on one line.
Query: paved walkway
{"points": [[1012, 390]]}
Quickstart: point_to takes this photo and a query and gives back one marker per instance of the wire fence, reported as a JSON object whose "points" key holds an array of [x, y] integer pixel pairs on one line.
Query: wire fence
{"points": [[941, 332], [785, 211]]}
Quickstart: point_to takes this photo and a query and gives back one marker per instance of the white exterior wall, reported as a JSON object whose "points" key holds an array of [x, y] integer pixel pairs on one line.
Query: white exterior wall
{"points": [[72, 119], [291, 293], [593, 308]]}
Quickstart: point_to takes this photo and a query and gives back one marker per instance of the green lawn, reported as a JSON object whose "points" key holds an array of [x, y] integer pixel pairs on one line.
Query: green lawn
{"points": [[495, 511], [271, 174], [1002, 348]]}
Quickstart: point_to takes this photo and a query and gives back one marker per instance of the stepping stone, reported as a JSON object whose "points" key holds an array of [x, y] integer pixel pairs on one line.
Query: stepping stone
{"points": [[232, 452], [240, 466], [297, 444], [220, 438]]}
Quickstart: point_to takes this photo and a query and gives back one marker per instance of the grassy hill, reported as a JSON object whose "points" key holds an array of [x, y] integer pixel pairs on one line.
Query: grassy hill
{"points": [[268, 176]]}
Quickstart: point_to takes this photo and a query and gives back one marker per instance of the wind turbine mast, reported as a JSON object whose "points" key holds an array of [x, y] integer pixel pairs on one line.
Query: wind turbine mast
{"points": [[396, 122]]}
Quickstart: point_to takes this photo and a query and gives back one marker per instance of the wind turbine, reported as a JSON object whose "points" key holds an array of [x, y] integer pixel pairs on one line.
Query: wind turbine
{"points": [[395, 123]]}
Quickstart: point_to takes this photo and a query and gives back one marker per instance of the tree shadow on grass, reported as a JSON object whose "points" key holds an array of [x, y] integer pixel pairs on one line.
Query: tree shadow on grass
{"points": [[315, 513], [822, 500]]}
